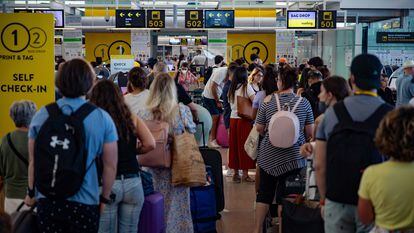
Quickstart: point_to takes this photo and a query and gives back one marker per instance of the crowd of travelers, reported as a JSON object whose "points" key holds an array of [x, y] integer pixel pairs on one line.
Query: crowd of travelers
{"points": [[358, 132]]}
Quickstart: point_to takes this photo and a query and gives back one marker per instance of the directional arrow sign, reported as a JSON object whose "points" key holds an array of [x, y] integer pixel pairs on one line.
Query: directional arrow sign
{"points": [[138, 15], [122, 14], [130, 14], [211, 14], [227, 15], [219, 15]]}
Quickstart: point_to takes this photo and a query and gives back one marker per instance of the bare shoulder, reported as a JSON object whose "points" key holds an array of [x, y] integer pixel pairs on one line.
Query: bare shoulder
{"points": [[267, 99]]}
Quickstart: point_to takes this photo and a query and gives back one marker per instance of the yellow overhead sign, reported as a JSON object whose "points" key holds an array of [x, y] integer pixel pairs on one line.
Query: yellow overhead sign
{"points": [[243, 45], [106, 44], [26, 62]]}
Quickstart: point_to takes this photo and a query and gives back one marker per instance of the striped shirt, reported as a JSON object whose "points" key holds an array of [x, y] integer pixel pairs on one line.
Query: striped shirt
{"points": [[277, 161]]}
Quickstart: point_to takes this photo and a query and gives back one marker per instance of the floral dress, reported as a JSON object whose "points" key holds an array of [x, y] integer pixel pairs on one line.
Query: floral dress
{"points": [[177, 211]]}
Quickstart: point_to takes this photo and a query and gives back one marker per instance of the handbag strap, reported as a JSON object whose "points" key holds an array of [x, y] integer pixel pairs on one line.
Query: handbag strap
{"points": [[181, 118], [277, 102], [17, 153], [297, 104]]}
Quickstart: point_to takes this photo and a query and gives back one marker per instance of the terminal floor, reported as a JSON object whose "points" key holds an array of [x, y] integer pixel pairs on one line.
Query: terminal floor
{"points": [[238, 216]]}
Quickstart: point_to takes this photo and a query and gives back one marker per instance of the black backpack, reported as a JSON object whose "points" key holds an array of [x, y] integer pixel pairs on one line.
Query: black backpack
{"points": [[350, 150], [60, 153]]}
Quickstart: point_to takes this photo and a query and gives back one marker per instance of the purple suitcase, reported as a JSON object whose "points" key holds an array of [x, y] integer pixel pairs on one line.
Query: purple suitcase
{"points": [[152, 215]]}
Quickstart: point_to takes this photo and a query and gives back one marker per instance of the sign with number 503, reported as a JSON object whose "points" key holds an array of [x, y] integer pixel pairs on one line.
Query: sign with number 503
{"points": [[26, 62]]}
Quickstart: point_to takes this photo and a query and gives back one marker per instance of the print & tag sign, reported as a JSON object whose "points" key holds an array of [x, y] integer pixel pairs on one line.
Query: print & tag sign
{"points": [[26, 62]]}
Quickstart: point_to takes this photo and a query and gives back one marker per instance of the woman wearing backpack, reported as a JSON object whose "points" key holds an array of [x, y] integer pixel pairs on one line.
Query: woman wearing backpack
{"points": [[162, 105], [124, 211], [276, 163], [239, 127]]}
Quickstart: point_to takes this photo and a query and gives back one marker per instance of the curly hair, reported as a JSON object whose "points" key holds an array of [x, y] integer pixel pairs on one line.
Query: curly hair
{"points": [[395, 135], [106, 95]]}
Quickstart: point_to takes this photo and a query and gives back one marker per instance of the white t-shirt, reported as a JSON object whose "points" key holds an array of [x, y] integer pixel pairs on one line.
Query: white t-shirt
{"points": [[218, 76], [136, 102], [239, 92]]}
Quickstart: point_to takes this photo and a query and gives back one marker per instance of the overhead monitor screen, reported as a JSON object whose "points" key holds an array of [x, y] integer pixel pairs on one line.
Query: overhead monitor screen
{"points": [[219, 18], [301, 19], [130, 19], [58, 15]]}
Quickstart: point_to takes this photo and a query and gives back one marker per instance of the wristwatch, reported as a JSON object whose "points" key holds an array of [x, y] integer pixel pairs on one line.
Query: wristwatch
{"points": [[103, 200], [30, 192], [109, 201]]}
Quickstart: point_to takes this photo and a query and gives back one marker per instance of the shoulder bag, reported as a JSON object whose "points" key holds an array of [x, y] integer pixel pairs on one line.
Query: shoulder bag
{"points": [[244, 107], [188, 168]]}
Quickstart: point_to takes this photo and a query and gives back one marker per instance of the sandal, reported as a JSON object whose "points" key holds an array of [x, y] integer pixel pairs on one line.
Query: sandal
{"points": [[248, 179], [236, 179]]}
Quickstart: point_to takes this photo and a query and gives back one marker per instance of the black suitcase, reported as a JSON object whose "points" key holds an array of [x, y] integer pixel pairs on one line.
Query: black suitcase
{"points": [[24, 221], [213, 159]]}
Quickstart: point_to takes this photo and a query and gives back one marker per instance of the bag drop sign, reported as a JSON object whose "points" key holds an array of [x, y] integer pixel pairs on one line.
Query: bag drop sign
{"points": [[301, 19], [26, 62], [121, 63]]}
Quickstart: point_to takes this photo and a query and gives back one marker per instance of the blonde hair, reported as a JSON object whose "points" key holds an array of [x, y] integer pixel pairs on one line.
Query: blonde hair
{"points": [[255, 71], [162, 100]]}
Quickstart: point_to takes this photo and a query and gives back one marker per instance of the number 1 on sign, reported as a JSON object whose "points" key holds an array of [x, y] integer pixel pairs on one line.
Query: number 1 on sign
{"points": [[15, 37]]}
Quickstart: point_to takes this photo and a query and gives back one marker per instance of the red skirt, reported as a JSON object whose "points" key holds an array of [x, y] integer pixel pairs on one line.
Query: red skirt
{"points": [[238, 158]]}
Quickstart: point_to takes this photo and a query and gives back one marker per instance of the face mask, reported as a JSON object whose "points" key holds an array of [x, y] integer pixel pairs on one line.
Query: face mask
{"points": [[322, 106]]}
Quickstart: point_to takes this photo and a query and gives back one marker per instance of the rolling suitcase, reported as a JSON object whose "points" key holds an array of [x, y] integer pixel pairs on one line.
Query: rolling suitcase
{"points": [[213, 159], [303, 214], [222, 135], [24, 221], [152, 215], [203, 206]]}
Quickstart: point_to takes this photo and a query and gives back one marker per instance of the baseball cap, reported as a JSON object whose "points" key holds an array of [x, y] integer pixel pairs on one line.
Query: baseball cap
{"points": [[366, 69], [408, 64]]}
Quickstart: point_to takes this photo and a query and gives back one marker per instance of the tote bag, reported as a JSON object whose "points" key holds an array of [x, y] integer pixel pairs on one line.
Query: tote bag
{"points": [[188, 168], [252, 143]]}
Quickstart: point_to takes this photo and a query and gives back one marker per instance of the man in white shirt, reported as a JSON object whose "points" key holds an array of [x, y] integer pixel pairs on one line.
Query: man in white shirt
{"points": [[200, 59], [211, 100]]}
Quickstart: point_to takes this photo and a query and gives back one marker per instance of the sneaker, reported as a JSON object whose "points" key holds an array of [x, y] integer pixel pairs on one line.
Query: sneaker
{"points": [[213, 144], [229, 172]]}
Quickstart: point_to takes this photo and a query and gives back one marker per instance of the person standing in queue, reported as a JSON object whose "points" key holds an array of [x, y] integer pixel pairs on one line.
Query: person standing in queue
{"points": [[276, 164], [123, 213], [239, 127], [138, 95], [78, 213], [386, 192], [345, 146], [14, 155], [211, 100], [162, 105], [405, 84]]}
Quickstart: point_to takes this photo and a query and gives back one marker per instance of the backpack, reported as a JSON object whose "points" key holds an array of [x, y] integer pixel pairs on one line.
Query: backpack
{"points": [[60, 153], [161, 156], [351, 149], [284, 126]]}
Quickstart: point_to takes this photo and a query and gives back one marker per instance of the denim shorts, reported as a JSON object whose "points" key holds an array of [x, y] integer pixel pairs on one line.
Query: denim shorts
{"points": [[343, 218], [211, 106]]}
